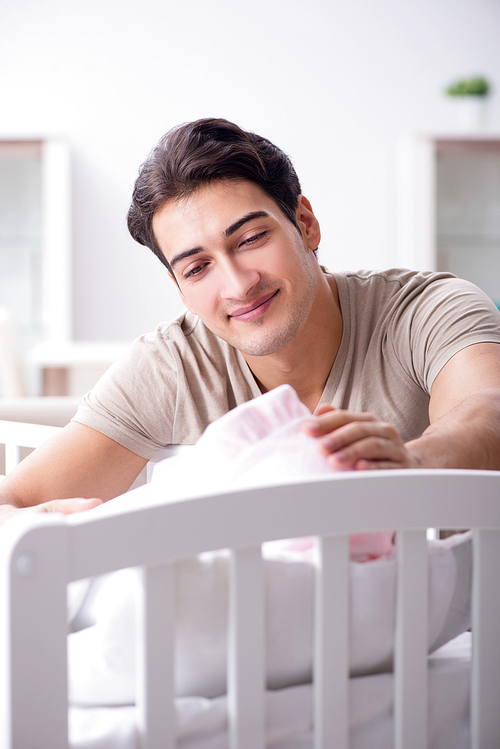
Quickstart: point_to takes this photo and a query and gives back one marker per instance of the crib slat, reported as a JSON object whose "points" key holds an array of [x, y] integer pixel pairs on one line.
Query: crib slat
{"points": [[34, 581], [411, 642], [331, 650], [485, 692], [155, 659], [245, 671]]}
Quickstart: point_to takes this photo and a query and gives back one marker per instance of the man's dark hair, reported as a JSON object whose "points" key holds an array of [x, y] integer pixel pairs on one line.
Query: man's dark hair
{"points": [[201, 152]]}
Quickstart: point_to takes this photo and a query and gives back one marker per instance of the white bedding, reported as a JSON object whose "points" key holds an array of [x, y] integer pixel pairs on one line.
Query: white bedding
{"points": [[202, 722], [102, 658]]}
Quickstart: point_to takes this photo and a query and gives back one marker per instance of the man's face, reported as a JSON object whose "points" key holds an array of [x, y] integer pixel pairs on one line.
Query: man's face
{"points": [[240, 264]]}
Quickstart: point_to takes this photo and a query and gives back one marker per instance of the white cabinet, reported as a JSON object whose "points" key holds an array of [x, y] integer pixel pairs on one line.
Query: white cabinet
{"points": [[36, 275], [35, 237], [449, 206]]}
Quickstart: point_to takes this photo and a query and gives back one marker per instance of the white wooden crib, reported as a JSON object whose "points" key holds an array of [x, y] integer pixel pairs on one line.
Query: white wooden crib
{"points": [[41, 553]]}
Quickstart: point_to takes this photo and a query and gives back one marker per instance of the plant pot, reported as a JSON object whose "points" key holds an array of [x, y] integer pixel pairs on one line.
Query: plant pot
{"points": [[471, 112]]}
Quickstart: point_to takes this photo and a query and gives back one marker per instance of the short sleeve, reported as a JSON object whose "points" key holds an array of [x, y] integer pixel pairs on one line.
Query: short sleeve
{"points": [[439, 315], [171, 384], [134, 402]]}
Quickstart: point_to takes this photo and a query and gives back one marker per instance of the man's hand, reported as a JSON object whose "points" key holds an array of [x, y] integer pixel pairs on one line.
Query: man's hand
{"points": [[66, 506], [78, 461], [358, 441]]}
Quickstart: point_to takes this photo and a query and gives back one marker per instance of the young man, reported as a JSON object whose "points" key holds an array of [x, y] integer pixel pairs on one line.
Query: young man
{"points": [[401, 369]]}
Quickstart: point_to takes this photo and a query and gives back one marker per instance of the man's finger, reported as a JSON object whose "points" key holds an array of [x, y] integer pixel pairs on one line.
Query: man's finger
{"points": [[331, 420], [373, 448], [356, 431], [67, 506]]}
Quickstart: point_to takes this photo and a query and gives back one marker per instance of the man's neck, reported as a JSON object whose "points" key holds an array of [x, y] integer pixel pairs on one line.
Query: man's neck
{"points": [[306, 363]]}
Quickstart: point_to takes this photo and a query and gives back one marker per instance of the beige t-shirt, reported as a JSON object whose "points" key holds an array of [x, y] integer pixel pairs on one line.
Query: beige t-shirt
{"points": [[399, 329]]}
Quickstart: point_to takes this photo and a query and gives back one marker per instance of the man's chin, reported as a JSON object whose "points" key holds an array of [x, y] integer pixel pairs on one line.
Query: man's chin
{"points": [[264, 345]]}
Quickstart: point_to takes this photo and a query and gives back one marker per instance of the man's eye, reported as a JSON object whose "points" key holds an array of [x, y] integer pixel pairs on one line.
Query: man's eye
{"points": [[195, 271], [256, 238]]}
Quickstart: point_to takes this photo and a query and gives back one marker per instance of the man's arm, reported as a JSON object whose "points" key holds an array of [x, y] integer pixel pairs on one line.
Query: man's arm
{"points": [[464, 412], [78, 462], [464, 432]]}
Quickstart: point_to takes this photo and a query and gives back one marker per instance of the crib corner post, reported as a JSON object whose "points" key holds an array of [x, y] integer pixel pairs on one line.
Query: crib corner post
{"points": [[33, 627]]}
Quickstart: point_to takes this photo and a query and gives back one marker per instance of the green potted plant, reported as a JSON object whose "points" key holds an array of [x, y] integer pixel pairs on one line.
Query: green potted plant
{"points": [[470, 101], [478, 86]]}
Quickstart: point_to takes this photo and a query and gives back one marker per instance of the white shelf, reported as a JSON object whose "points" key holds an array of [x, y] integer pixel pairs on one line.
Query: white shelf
{"points": [[72, 367], [449, 205], [76, 353]]}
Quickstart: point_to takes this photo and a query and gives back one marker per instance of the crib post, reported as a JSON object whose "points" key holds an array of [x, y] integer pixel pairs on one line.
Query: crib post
{"points": [[155, 658], [331, 648], [485, 692], [411, 642], [33, 627], [245, 667]]}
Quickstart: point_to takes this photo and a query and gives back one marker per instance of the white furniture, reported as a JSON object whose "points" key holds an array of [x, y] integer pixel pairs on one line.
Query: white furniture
{"points": [[449, 206], [41, 553], [12, 379], [35, 242], [35, 235], [57, 411], [72, 368]]}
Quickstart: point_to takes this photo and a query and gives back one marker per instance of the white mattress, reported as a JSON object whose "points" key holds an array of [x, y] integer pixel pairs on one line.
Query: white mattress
{"points": [[202, 722]]}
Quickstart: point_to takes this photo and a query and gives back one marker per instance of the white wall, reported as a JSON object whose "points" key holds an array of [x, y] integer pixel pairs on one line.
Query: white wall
{"points": [[333, 83]]}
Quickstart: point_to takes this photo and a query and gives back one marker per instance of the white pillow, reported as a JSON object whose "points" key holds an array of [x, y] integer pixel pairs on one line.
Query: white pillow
{"points": [[102, 661]]}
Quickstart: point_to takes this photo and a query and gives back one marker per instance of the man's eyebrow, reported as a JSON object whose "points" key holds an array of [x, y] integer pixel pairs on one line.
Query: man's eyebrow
{"points": [[184, 255], [249, 217], [228, 232]]}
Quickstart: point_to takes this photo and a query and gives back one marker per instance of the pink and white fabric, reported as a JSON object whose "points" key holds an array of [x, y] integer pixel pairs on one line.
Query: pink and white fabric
{"points": [[260, 443]]}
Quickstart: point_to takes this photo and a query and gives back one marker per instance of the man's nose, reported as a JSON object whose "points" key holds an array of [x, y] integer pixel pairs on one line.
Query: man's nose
{"points": [[237, 281]]}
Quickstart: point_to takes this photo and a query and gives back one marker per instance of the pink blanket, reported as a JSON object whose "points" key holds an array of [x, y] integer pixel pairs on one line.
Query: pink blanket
{"points": [[260, 443]]}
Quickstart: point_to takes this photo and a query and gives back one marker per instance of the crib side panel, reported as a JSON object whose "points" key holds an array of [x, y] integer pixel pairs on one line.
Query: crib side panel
{"points": [[37, 578]]}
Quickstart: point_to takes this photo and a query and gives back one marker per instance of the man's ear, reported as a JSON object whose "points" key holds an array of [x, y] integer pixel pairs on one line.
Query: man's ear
{"points": [[183, 298], [308, 223]]}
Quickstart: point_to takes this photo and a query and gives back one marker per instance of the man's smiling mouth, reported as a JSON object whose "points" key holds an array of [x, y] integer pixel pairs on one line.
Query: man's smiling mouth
{"points": [[252, 310]]}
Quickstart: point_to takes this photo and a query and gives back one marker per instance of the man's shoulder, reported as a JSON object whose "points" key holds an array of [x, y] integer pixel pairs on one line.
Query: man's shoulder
{"points": [[393, 276], [185, 330], [183, 325], [184, 343], [394, 284]]}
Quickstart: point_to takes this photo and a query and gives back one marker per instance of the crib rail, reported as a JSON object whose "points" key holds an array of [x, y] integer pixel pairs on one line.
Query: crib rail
{"points": [[40, 554]]}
